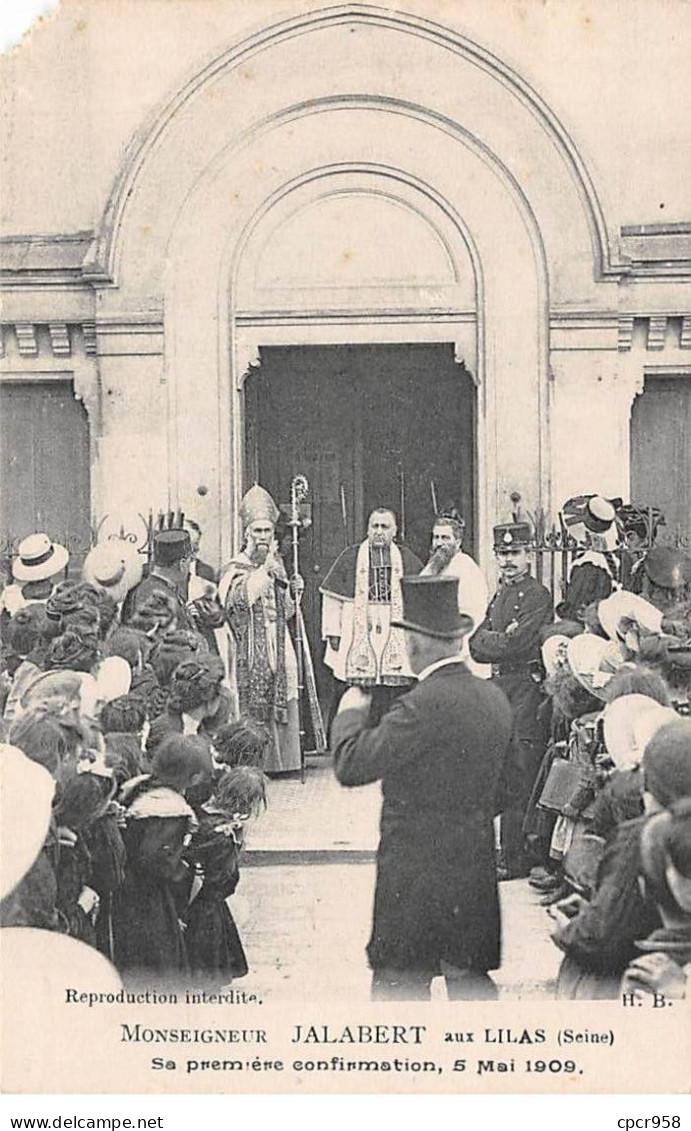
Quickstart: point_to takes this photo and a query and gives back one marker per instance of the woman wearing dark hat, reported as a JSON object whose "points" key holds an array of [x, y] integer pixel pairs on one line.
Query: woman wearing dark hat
{"points": [[594, 573]]}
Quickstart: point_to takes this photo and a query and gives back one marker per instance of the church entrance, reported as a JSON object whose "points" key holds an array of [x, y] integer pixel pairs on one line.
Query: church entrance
{"points": [[368, 425]]}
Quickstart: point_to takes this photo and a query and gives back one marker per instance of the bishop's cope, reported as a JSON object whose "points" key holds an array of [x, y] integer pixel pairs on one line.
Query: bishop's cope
{"points": [[255, 593], [361, 598]]}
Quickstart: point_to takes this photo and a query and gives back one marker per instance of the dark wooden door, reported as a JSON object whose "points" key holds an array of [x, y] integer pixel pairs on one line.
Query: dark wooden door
{"points": [[368, 426], [44, 446], [661, 451]]}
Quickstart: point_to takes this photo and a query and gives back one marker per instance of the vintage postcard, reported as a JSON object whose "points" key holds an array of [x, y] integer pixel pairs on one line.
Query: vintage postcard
{"points": [[345, 537]]}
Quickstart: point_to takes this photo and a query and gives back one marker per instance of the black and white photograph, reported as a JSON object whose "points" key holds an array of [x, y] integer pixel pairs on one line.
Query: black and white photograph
{"points": [[345, 545]]}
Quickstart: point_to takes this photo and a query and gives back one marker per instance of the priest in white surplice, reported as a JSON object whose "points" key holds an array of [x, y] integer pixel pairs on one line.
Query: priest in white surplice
{"points": [[361, 595]]}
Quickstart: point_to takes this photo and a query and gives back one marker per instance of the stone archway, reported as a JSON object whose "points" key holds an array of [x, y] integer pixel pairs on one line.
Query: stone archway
{"points": [[305, 113]]}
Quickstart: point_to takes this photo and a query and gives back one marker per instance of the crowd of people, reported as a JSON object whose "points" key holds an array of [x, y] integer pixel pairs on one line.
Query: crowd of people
{"points": [[111, 686], [155, 701]]}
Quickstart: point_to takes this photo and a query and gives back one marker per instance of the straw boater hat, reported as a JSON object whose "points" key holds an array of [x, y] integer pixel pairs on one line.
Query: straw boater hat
{"points": [[38, 559], [594, 661], [629, 723]]}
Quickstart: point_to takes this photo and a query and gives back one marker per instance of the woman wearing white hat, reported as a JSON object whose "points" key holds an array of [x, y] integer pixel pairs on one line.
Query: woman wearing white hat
{"points": [[36, 569]]}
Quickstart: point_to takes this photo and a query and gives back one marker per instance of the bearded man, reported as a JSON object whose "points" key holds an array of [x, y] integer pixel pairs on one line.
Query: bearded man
{"points": [[449, 560], [361, 595], [255, 594]]}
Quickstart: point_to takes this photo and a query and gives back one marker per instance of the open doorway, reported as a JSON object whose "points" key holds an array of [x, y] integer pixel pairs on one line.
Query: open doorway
{"points": [[368, 425]]}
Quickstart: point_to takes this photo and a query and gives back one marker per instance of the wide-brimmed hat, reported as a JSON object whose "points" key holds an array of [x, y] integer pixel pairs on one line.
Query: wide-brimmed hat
{"points": [[555, 652], [26, 795], [626, 616], [38, 558], [105, 568], [430, 606], [594, 661], [629, 723]]}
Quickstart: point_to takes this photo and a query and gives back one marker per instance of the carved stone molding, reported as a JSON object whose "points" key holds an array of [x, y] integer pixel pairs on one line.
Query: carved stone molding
{"points": [[685, 336], [626, 322], [59, 339], [26, 339], [89, 333], [657, 329]]}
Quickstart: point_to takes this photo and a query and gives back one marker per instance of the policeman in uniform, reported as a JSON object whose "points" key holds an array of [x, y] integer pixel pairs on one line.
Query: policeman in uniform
{"points": [[509, 639], [172, 554]]}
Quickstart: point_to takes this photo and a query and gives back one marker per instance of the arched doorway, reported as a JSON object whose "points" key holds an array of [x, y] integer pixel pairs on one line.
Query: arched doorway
{"points": [[349, 417], [341, 113]]}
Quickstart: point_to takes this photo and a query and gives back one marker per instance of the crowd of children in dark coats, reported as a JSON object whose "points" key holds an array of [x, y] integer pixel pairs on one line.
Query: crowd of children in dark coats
{"points": [[124, 705], [153, 785]]}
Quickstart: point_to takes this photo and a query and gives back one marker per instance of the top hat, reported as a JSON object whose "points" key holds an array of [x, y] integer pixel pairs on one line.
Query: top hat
{"points": [[512, 536], [667, 567], [171, 546], [430, 606], [38, 558], [257, 504]]}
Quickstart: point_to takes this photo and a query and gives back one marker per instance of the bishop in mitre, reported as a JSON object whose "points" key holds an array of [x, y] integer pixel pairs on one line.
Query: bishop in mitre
{"points": [[255, 594]]}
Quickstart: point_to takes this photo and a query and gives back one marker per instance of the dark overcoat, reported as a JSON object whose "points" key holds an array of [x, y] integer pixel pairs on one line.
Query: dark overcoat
{"points": [[438, 753]]}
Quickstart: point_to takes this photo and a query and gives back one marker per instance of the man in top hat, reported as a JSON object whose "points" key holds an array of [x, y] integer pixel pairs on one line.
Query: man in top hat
{"points": [[448, 560], [256, 596], [509, 639], [172, 551], [36, 569], [361, 595], [438, 753]]}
